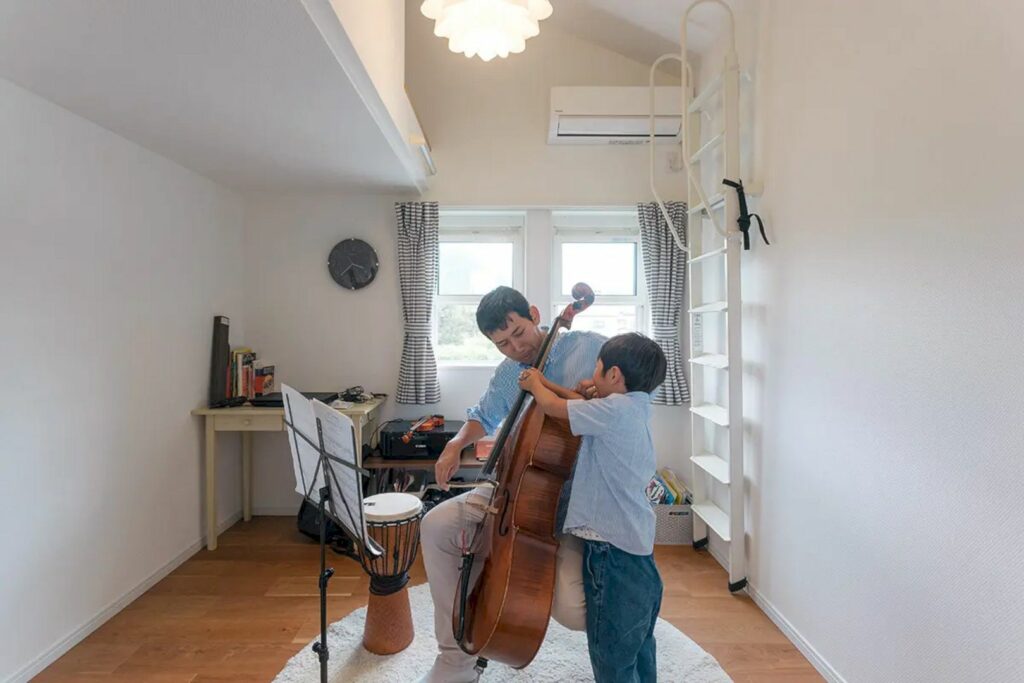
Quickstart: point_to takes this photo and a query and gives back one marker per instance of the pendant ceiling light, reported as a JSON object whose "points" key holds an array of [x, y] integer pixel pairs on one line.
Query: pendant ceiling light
{"points": [[486, 28]]}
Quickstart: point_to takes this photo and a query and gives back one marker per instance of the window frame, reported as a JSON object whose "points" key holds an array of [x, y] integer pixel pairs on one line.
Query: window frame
{"points": [[477, 227], [599, 227]]}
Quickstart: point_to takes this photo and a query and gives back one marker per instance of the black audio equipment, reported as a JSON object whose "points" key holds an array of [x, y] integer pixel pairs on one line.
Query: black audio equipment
{"points": [[421, 444], [220, 358]]}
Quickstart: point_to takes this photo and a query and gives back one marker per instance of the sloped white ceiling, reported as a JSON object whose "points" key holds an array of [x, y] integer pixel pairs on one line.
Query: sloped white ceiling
{"points": [[640, 29], [246, 93]]}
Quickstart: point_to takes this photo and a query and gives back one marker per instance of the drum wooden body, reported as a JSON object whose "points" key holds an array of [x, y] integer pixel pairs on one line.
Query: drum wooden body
{"points": [[393, 520]]}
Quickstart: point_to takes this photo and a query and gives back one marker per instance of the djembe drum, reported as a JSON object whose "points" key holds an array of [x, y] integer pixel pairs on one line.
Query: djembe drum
{"points": [[393, 520]]}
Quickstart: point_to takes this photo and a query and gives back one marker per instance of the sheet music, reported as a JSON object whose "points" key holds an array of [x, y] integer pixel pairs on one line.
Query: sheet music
{"points": [[346, 485], [309, 477]]}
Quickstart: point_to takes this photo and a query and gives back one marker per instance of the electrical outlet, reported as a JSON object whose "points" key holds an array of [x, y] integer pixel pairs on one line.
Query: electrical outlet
{"points": [[674, 161]]}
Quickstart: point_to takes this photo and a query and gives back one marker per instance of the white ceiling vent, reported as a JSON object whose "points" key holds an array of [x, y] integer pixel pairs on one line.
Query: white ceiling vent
{"points": [[584, 115]]}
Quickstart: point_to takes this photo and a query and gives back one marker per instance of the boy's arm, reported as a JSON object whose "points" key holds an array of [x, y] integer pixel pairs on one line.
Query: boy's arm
{"points": [[551, 403], [586, 389], [560, 391]]}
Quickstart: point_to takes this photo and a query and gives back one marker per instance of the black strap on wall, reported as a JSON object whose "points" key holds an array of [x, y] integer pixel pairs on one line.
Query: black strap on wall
{"points": [[745, 215]]}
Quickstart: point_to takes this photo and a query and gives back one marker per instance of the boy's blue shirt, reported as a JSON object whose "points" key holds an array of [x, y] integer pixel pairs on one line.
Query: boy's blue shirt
{"points": [[615, 463]]}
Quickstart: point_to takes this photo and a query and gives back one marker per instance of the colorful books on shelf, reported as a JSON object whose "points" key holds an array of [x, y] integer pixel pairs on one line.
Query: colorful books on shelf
{"points": [[249, 377], [263, 378], [670, 478], [241, 367], [666, 489]]}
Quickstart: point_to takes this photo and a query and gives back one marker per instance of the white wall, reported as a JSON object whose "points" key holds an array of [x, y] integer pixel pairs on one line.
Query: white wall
{"points": [[320, 336], [882, 335], [113, 262], [488, 123]]}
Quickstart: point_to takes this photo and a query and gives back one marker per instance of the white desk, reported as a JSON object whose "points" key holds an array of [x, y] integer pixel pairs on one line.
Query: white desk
{"points": [[247, 420]]}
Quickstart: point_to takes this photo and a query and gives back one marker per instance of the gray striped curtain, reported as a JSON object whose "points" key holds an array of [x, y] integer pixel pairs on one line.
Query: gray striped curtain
{"points": [[665, 269], [417, 274]]}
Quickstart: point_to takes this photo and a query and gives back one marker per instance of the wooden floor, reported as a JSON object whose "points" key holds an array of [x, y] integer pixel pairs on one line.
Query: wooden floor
{"points": [[240, 612]]}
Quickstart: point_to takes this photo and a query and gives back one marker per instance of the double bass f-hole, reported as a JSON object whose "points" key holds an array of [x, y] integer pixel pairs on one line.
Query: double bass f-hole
{"points": [[503, 521]]}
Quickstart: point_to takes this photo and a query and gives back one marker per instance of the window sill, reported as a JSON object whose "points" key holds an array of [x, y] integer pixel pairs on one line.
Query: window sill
{"points": [[467, 364]]}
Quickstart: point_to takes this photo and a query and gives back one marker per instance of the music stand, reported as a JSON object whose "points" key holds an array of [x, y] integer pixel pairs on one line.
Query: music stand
{"points": [[323, 447]]}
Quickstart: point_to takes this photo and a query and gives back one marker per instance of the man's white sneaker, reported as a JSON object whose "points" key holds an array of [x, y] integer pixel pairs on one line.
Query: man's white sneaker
{"points": [[445, 671]]}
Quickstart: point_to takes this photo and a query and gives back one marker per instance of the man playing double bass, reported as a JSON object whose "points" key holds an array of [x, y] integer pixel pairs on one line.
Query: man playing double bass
{"points": [[513, 325]]}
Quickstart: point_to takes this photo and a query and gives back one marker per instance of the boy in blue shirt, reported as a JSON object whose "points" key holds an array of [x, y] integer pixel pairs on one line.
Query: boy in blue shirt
{"points": [[608, 507]]}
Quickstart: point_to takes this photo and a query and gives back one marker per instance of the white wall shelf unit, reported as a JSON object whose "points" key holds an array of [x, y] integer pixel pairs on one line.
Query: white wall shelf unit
{"points": [[712, 144]]}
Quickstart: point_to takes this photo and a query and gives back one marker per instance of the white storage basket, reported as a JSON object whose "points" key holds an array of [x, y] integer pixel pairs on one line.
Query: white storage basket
{"points": [[674, 525]]}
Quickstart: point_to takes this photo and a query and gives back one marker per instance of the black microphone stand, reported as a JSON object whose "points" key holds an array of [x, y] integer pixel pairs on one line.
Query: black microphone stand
{"points": [[320, 648]]}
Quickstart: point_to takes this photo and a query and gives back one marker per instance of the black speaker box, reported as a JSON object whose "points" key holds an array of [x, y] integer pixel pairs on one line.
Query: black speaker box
{"points": [[422, 445]]}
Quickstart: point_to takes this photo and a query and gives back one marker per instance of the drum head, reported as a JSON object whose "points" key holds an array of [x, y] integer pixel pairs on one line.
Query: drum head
{"points": [[391, 507]]}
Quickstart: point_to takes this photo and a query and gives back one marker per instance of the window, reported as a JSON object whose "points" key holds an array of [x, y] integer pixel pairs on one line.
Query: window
{"points": [[478, 251], [601, 248]]}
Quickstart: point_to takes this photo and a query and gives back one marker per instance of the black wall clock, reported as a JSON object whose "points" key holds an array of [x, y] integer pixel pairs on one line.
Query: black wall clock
{"points": [[353, 263]]}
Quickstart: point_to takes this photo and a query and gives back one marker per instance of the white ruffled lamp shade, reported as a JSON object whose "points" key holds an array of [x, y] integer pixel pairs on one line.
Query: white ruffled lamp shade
{"points": [[486, 28]]}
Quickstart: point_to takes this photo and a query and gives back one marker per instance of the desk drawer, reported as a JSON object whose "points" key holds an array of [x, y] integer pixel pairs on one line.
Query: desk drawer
{"points": [[248, 423]]}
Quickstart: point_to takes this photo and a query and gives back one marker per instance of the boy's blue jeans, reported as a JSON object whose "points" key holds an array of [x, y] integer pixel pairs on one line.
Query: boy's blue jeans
{"points": [[623, 593]]}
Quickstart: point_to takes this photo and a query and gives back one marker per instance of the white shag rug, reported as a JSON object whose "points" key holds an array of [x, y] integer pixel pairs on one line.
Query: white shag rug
{"points": [[561, 659]]}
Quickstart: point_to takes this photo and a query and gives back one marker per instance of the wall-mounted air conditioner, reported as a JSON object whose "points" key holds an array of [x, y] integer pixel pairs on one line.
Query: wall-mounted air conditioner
{"points": [[613, 115]]}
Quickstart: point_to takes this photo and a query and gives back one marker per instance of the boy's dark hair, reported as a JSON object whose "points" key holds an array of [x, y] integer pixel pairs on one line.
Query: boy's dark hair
{"points": [[492, 313], [641, 361]]}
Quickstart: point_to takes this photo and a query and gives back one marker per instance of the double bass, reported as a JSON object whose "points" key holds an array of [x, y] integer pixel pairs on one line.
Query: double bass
{"points": [[505, 615]]}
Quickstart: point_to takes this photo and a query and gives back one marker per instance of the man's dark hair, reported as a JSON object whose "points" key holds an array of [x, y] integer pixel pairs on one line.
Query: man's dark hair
{"points": [[641, 361], [492, 313]]}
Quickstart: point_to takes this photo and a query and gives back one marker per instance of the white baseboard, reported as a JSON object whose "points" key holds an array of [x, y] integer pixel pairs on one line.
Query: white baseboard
{"points": [[716, 554], [221, 528], [54, 653], [827, 671]]}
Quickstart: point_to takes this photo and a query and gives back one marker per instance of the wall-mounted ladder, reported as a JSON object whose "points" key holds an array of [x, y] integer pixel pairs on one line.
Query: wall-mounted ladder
{"points": [[712, 144]]}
